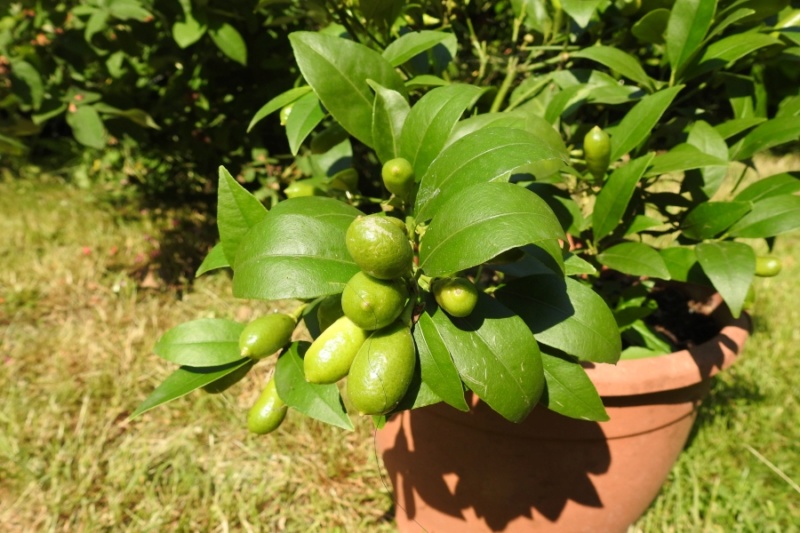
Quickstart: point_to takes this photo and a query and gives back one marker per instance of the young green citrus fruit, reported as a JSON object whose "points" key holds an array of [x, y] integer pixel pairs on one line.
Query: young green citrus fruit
{"points": [[373, 303], [398, 177], [379, 247], [768, 266], [457, 296], [329, 357], [329, 311], [597, 152], [284, 114], [382, 370], [299, 189], [268, 412], [266, 335]]}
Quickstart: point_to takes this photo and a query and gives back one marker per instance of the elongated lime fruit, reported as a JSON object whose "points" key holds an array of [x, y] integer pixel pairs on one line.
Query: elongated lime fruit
{"points": [[268, 412], [329, 357], [266, 335], [379, 247], [597, 152], [768, 266], [382, 370], [373, 303]]}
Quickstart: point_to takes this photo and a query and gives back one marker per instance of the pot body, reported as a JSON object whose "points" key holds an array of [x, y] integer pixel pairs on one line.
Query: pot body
{"points": [[476, 472]]}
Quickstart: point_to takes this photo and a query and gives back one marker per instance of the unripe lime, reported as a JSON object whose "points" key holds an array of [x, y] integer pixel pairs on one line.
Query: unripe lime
{"points": [[329, 357], [329, 311], [457, 296], [768, 266], [597, 152], [373, 303], [284, 114], [382, 370], [300, 188], [268, 412], [379, 247], [398, 177], [266, 335]]}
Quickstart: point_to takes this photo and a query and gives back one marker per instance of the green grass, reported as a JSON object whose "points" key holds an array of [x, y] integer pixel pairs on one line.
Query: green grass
{"points": [[80, 311]]}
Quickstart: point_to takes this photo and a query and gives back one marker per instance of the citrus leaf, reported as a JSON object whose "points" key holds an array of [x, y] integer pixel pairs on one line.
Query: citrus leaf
{"points": [[438, 371], [229, 41], [688, 24], [680, 158], [431, 120], [185, 380], [637, 124], [487, 155], [282, 100], [26, 83], [619, 61], [215, 259], [769, 217], [727, 50], [612, 201], [306, 114], [411, 44], [389, 113], [496, 356], [320, 402], [636, 259], [337, 70], [569, 391], [730, 266], [201, 343], [237, 212], [87, 126], [709, 219], [500, 216], [652, 26], [767, 135], [566, 315], [186, 33], [777, 185]]}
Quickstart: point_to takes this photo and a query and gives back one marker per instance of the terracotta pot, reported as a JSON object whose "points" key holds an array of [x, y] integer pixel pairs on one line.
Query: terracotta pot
{"points": [[469, 472]]}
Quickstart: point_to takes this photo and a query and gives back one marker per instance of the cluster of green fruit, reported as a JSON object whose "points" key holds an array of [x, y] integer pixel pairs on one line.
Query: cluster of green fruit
{"points": [[366, 332]]}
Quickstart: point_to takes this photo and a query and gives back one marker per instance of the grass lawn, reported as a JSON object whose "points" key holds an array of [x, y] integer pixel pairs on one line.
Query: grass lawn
{"points": [[81, 306]]}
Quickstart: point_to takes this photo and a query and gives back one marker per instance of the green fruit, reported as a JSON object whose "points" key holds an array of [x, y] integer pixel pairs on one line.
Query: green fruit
{"points": [[329, 357], [327, 139], [379, 247], [268, 412], [284, 114], [329, 311], [382, 370], [398, 177], [597, 152], [768, 266], [457, 296], [266, 335], [228, 380], [373, 303], [300, 188]]}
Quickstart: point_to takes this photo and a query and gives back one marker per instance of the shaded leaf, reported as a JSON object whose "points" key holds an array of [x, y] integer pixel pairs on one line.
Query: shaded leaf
{"points": [[612, 201], [229, 41], [709, 219], [438, 371], [777, 185], [410, 44], [688, 24], [682, 157], [214, 260], [389, 113], [619, 61], [730, 266], [280, 101], [637, 124], [767, 135], [769, 217], [305, 116], [569, 391]]}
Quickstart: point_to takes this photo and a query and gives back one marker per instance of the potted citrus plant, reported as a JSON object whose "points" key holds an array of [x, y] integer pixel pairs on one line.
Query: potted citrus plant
{"points": [[493, 266]]}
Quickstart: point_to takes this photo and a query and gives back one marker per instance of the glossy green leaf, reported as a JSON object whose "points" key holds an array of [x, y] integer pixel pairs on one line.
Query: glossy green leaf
{"points": [[186, 33], [566, 315], [767, 135], [617, 60], [581, 11], [215, 259], [280, 101], [652, 26], [730, 266], [709, 141], [26, 83], [229, 41], [574, 265], [425, 80], [430, 121], [297, 251], [320, 402], [736, 126], [337, 70], [636, 259], [777, 185], [129, 9], [727, 50], [769, 217], [389, 113], [730, 18], [680, 158], [201, 343], [500, 216], [569, 391], [612, 201], [237, 212], [709, 219], [688, 24], [438, 371], [492, 154], [496, 356], [306, 114], [637, 124], [185, 380], [682, 264], [410, 44], [87, 126], [641, 223]]}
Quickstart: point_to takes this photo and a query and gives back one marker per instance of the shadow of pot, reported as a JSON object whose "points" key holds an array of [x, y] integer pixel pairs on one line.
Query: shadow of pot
{"points": [[475, 472]]}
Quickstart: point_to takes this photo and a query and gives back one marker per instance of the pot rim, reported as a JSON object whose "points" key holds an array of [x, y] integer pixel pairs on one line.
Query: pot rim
{"points": [[676, 370]]}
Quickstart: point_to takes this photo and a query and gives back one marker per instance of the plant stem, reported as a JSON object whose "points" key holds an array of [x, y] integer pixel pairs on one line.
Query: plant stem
{"points": [[511, 74]]}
